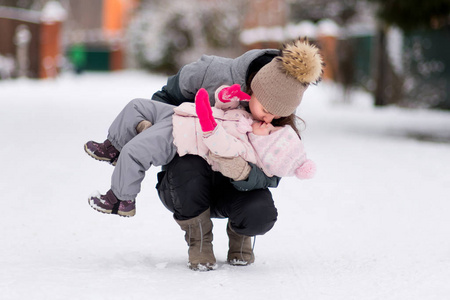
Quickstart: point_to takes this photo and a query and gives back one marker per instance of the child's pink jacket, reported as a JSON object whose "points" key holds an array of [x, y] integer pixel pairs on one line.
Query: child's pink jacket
{"points": [[229, 138]]}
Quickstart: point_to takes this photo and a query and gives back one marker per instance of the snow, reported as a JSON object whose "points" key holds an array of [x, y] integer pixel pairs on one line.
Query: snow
{"points": [[53, 12], [328, 27], [278, 33], [395, 48], [372, 224], [262, 34]]}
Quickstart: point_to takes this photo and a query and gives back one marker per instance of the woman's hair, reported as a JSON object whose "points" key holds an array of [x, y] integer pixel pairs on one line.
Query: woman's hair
{"points": [[291, 120]]}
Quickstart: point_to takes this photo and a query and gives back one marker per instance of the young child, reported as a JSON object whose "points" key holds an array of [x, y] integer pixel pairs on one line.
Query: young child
{"points": [[227, 130]]}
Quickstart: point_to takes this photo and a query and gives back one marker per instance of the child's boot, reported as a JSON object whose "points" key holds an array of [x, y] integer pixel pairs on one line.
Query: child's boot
{"points": [[199, 238], [102, 151], [109, 204], [240, 251]]}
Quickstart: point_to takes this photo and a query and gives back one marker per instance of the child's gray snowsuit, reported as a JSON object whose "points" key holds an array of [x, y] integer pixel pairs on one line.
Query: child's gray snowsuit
{"points": [[139, 151]]}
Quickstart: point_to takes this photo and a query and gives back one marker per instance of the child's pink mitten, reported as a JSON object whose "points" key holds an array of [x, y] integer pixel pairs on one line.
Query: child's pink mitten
{"points": [[204, 112]]}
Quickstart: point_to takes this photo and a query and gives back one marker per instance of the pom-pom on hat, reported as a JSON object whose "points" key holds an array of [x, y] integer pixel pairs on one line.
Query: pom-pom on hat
{"points": [[282, 154], [280, 84]]}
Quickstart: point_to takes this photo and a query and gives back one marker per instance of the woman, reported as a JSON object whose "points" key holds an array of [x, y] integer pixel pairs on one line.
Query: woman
{"points": [[187, 186]]}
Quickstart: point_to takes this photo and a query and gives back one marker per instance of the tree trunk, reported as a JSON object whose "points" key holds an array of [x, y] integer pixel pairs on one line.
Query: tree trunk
{"points": [[381, 68]]}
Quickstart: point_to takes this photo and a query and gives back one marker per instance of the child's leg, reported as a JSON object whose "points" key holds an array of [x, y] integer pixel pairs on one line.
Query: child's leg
{"points": [[124, 127], [153, 146], [137, 116]]}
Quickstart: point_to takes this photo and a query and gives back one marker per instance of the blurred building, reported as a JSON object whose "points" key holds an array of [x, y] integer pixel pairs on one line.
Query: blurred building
{"points": [[264, 24], [98, 25], [30, 41], [267, 25], [37, 36]]}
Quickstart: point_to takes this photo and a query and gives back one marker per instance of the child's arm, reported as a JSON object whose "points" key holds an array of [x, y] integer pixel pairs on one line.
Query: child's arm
{"points": [[215, 137], [224, 144], [244, 176]]}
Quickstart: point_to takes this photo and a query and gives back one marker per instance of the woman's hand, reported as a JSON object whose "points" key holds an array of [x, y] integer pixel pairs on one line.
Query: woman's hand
{"points": [[233, 93]]}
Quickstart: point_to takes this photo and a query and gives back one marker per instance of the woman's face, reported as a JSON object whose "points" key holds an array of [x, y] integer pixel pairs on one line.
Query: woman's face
{"points": [[259, 112]]}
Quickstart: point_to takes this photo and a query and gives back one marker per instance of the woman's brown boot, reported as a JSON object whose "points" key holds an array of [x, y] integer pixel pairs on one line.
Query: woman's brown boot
{"points": [[199, 238], [240, 251]]}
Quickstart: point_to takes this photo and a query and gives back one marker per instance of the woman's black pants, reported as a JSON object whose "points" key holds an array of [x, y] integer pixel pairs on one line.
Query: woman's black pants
{"points": [[187, 187]]}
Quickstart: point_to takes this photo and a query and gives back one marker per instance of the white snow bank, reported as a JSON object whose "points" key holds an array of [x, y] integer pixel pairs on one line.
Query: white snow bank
{"points": [[373, 223]]}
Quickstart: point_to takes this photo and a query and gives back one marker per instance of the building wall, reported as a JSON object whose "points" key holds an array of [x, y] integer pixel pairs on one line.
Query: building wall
{"points": [[50, 49], [268, 13], [85, 14], [99, 25], [8, 47]]}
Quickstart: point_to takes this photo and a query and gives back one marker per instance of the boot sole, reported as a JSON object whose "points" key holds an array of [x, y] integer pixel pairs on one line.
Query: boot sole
{"points": [[91, 154], [202, 267], [127, 214], [110, 211], [239, 263]]}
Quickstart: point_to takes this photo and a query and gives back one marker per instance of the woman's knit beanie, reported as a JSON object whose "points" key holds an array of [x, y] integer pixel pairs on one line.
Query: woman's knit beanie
{"points": [[280, 84], [281, 153]]}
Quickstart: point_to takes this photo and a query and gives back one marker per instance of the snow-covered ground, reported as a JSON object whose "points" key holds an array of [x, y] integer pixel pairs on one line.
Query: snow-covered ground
{"points": [[373, 224]]}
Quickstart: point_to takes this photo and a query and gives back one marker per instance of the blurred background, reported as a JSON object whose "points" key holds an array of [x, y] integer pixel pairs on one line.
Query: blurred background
{"points": [[397, 50]]}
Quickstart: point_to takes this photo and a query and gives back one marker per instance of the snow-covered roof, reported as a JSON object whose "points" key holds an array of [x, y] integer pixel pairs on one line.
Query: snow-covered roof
{"points": [[290, 31], [53, 12], [20, 14]]}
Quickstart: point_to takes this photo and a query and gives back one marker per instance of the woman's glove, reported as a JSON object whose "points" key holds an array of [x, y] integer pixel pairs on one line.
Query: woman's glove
{"points": [[233, 93], [204, 111], [235, 168]]}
